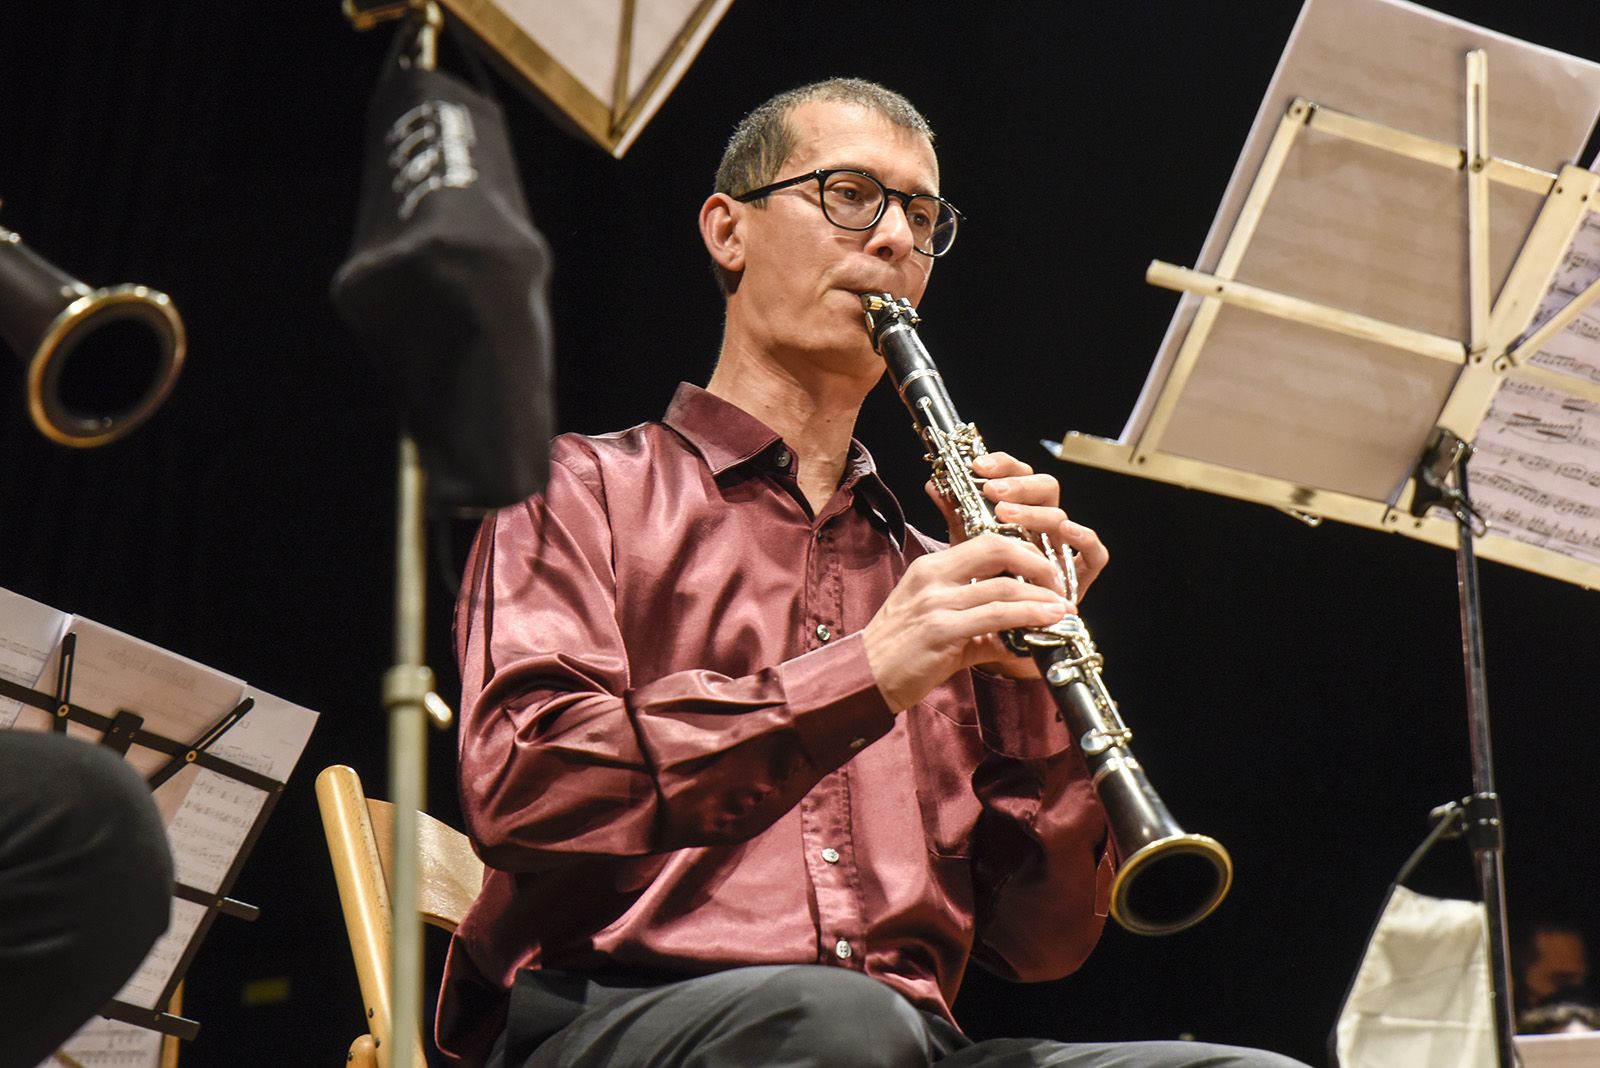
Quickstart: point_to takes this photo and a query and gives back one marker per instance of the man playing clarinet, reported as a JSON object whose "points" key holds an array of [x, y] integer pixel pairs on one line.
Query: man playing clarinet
{"points": [[753, 773]]}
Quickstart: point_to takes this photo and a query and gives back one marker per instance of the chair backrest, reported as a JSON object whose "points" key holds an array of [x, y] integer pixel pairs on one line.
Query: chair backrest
{"points": [[359, 833]]}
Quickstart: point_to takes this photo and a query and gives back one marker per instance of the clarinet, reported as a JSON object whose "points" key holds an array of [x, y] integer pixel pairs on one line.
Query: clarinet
{"points": [[1167, 880]]}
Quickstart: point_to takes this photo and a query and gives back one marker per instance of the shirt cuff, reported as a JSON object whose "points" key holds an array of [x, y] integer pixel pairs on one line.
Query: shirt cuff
{"points": [[834, 701], [1018, 717]]}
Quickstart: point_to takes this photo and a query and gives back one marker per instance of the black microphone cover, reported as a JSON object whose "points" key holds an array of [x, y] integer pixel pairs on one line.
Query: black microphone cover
{"points": [[447, 283]]}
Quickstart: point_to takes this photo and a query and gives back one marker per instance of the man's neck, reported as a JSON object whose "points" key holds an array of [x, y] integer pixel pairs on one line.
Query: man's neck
{"points": [[815, 414]]}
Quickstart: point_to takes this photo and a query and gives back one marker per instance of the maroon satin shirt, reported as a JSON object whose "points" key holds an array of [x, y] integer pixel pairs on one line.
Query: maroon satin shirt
{"points": [[675, 759]]}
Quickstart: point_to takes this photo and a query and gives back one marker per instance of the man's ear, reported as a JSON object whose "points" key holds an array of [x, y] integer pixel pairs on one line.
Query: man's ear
{"points": [[720, 228]]}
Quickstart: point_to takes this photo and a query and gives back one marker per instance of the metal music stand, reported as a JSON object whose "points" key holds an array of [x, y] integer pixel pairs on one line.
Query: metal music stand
{"points": [[1445, 387], [604, 69]]}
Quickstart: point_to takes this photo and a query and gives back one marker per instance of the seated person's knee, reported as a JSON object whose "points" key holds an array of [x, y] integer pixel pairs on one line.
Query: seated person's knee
{"points": [[843, 1018]]}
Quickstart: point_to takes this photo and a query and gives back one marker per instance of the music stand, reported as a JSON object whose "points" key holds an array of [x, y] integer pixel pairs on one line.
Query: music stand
{"points": [[1301, 396], [215, 752]]}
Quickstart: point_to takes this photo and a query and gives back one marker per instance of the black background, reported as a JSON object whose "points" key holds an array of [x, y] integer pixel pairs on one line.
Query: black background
{"points": [[1297, 693]]}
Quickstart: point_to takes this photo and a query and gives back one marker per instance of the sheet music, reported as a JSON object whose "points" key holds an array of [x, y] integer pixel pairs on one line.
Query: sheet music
{"points": [[270, 738], [1576, 350], [145, 987], [31, 631], [178, 697], [1368, 231], [1536, 473], [211, 827], [212, 813], [103, 1043], [209, 816]]}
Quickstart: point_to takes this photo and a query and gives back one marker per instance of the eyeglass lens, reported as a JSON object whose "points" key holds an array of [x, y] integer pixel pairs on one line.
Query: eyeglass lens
{"points": [[856, 202]]}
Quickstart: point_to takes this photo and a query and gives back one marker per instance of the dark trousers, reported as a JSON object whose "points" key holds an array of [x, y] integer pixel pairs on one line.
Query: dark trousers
{"points": [[85, 887], [794, 1016]]}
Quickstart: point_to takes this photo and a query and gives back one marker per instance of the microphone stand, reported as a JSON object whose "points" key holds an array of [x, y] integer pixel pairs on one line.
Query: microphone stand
{"points": [[409, 696], [408, 684]]}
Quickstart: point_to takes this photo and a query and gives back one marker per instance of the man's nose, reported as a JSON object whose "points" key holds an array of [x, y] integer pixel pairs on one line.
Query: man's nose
{"points": [[892, 238]]}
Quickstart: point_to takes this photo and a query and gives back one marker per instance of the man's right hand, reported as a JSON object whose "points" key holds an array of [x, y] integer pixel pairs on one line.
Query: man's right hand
{"points": [[947, 610]]}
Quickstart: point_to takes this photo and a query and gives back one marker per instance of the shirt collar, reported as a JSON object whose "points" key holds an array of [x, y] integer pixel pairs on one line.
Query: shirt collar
{"points": [[727, 436], [724, 434]]}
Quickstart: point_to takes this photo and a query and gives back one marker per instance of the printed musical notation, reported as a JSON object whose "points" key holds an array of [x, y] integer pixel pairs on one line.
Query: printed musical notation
{"points": [[147, 984], [1576, 350], [1536, 472], [32, 631], [210, 828], [270, 739], [111, 1044]]}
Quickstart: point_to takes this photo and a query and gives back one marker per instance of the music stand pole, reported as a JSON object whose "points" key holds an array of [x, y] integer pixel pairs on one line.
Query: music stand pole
{"points": [[1484, 827]]}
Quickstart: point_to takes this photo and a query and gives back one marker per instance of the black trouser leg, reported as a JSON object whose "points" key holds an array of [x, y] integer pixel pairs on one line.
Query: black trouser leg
{"points": [[85, 886]]}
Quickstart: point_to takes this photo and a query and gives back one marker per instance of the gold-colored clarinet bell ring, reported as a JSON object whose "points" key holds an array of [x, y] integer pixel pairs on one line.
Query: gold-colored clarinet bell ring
{"points": [[1171, 884], [104, 365]]}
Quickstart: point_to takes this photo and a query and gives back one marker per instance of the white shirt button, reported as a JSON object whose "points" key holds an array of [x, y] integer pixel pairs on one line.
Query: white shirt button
{"points": [[831, 855], [841, 949], [782, 458], [823, 633]]}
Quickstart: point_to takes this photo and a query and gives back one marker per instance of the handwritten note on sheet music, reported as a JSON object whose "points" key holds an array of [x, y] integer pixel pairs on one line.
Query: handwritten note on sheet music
{"points": [[31, 632], [177, 697], [1536, 475]]}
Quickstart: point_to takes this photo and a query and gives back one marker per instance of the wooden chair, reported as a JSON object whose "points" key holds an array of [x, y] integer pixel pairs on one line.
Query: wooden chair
{"points": [[359, 842]]}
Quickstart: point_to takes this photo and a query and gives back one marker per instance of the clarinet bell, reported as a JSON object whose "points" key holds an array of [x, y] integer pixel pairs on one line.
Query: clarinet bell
{"points": [[99, 362]]}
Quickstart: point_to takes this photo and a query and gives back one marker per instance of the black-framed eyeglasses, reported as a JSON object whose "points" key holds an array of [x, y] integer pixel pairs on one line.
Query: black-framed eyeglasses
{"points": [[855, 200]]}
